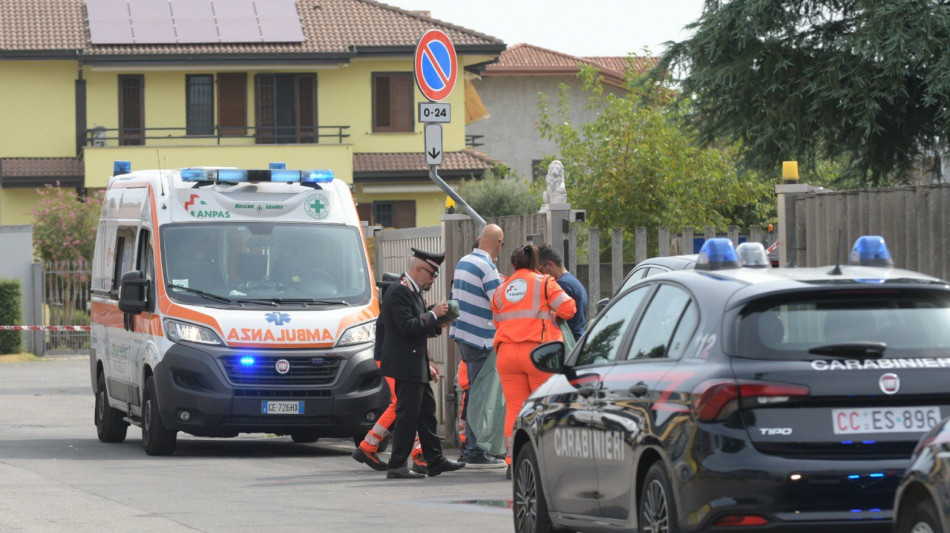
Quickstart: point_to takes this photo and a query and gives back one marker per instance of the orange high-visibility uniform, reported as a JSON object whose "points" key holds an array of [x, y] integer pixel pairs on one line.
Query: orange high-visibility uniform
{"points": [[525, 309], [384, 426], [464, 384]]}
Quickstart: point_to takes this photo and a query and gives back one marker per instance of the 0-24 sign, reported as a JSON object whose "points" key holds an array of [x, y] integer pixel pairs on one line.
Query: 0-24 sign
{"points": [[432, 112]]}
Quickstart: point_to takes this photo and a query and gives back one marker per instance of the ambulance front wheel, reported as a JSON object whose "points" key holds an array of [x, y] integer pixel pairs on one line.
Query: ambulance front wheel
{"points": [[110, 427], [157, 439]]}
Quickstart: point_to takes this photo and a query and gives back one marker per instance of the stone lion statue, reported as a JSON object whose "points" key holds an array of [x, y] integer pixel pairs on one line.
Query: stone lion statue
{"points": [[556, 192]]}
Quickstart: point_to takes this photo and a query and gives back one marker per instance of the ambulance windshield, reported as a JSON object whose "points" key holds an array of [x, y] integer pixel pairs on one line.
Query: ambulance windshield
{"points": [[266, 263]]}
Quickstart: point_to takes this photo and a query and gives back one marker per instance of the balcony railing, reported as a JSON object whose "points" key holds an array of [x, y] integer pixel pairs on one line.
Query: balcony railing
{"points": [[472, 141], [223, 135]]}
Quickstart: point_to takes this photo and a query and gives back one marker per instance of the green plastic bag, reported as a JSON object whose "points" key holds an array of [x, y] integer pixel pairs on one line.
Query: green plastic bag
{"points": [[569, 341], [486, 409]]}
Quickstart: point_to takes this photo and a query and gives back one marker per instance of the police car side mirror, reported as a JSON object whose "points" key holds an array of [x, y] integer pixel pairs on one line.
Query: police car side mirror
{"points": [[133, 292], [601, 304], [549, 357]]}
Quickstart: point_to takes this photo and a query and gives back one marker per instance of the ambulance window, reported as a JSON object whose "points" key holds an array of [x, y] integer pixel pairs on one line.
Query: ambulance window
{"points": [[145, 263], [124, 254]]}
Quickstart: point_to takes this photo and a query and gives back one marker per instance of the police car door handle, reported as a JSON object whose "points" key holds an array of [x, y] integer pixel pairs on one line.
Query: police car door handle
{"points": [[639, 389]]}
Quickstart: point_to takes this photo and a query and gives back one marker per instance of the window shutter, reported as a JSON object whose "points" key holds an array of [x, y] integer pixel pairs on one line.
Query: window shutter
{"points": [[232, 104], [402, 102]]}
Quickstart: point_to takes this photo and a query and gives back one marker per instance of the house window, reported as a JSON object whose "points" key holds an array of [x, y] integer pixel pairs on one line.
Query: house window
{"points": [[398, 214], [537, 169], [131, 109], [232, 104], [392, 102], [199, 104], [286, 108]]}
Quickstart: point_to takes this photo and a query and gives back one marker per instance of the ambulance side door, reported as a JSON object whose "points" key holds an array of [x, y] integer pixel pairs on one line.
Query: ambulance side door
{"points": [[121, 382]]}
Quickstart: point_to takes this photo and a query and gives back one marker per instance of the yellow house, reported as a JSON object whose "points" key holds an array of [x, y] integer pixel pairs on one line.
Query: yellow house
{"points": [[243, 83]]}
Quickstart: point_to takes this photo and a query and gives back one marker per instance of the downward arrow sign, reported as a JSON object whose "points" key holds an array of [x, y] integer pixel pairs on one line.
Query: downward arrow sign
{"points": [[433, 149], [434, 154]]}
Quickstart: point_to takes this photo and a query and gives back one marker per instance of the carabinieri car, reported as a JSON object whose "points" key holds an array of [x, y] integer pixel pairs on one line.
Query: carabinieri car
{"points": [[738, 399]]}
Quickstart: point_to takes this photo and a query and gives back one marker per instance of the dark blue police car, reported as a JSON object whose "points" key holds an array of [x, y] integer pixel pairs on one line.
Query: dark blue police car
{"points": [[922, 504], [738, 399]]}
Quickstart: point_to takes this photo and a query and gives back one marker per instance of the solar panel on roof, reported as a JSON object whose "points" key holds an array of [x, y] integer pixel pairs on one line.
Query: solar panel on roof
{"points": [[193, 21]]}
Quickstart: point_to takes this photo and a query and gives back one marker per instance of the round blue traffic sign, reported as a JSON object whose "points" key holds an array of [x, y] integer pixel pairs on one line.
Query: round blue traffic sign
{"points": [[436, 65]]}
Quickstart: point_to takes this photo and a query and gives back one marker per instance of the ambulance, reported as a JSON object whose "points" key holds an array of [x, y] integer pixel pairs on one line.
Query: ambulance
{"points": [[228, 301]]}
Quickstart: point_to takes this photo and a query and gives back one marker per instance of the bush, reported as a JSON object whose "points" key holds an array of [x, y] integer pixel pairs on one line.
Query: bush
{"points": [[497, 196], [10, 315], [64, 225]]}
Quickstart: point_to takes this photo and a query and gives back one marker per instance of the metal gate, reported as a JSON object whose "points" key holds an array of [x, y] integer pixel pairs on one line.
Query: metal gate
{"points": [[66, 302]]}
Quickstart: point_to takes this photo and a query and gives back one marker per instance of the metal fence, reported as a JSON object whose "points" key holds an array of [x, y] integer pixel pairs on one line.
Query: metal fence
{"points": [[66, 302]]}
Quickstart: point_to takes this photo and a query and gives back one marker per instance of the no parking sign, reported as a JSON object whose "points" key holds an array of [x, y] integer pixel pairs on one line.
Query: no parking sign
{"points": [[436, 65]]}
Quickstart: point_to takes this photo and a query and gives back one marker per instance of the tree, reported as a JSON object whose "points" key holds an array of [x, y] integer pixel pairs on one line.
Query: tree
{"points": [[496, 196], [864, 82], [64, 225], [634, 165]]}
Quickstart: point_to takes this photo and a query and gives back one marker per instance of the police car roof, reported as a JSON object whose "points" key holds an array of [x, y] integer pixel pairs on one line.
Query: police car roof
{"points": [[739, 285]]}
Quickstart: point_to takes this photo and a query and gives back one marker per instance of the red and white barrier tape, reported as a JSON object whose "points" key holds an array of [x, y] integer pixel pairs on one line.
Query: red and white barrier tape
{"points": [[46, 328]]}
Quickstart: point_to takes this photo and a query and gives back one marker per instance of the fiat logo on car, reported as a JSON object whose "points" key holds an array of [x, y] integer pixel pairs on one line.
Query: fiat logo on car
{"points": [[282, 366], [890, 383]]}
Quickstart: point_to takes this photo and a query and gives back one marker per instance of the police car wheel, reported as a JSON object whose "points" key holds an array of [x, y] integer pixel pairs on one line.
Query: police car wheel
{"points": [[530, 508], [157, 439], [921, 517], [657, 510], [110, 427]]}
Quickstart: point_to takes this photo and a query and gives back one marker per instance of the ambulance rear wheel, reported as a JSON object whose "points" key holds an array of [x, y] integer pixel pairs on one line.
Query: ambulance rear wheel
{"points": [[157, 439], [109, 424], [304, 437]]}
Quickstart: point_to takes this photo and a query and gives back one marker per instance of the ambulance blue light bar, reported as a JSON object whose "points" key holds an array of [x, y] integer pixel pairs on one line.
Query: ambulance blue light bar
{"points": [[717, 254], [121, 167], [274, 175], [870, 250]]}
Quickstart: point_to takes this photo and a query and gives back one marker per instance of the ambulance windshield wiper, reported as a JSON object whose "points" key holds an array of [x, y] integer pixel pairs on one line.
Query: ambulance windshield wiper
{"points": [[208, 295], [861, 350], [315, 301]]}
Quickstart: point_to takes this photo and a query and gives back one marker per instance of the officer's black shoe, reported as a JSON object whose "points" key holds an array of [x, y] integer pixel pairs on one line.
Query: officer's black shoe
{"points": [[402, 473], [445, 465], [370, 459]]}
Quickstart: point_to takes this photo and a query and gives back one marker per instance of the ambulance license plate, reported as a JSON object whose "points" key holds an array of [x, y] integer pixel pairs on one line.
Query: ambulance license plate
{"points": [[281, 408]]}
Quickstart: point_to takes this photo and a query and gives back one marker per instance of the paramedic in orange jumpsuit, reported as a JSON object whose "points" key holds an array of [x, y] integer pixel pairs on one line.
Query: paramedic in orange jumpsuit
{"points": [[525, 308]]}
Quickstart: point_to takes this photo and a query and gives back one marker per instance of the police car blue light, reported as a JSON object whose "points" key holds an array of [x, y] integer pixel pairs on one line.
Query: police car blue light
{"points": [[870, 250], [717, 254]]}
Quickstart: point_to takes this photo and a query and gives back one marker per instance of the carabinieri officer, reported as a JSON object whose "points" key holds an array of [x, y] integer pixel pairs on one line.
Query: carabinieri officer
{"points": [[408, 326]]}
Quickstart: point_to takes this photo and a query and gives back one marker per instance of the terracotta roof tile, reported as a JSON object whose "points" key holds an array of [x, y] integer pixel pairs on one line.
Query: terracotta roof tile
{"points": [[526, 59], [53, 167], [329, 26], [465, 160]]}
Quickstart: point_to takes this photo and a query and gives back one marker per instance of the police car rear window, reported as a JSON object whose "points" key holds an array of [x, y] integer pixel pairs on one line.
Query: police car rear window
{"points": [[908, 322]]}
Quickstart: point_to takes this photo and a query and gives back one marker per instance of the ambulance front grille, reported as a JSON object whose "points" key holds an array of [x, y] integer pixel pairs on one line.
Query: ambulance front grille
{"points": [[263, 370]]}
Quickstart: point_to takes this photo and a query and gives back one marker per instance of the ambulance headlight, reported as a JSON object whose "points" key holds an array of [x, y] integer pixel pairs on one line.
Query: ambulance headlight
{"points": [[358, 334], [183, 331]]}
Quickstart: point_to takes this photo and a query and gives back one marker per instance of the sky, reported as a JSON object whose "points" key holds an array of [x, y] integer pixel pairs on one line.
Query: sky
{"points": [[575, 27]]}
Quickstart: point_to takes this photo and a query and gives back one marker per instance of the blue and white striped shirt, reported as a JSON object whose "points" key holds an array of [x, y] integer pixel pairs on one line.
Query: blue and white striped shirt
{"points": [[476, 279]]}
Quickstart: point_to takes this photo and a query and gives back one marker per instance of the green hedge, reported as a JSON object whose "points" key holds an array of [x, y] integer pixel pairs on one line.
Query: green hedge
{"points": [[10, 313]]}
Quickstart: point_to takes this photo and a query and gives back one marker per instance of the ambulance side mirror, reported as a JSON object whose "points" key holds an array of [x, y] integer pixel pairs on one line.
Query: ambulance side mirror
{"points": [[133, 292], [549, 357]]}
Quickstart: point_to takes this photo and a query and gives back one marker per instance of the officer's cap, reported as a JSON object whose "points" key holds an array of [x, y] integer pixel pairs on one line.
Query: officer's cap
{"points": [[433, 259]]}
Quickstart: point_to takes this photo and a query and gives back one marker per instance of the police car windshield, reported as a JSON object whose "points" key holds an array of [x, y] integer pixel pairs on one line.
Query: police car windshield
{"points": [[857, 324], [265, 264]]}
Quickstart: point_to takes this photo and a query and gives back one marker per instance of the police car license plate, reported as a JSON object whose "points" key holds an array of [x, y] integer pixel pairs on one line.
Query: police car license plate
{"points": [[884, 420], [281, 408]]}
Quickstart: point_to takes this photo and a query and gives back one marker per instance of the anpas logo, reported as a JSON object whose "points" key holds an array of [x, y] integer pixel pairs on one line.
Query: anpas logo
{"points": [[516, 290], [203, 213], [277, 318], [317, 206]]}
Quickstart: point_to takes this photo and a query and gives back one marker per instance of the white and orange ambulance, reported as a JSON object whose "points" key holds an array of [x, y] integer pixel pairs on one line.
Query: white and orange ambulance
{"points": [[231, 301]]}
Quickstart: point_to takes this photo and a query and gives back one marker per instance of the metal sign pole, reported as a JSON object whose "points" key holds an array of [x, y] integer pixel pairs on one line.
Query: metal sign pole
{"points": [[434, 176]]}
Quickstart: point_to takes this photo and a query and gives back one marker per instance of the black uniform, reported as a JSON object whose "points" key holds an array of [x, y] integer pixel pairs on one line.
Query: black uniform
{"points": [[403, 357]]}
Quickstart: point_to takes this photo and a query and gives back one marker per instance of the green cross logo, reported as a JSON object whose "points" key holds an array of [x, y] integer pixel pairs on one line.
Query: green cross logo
{"points": [[317, 205]]}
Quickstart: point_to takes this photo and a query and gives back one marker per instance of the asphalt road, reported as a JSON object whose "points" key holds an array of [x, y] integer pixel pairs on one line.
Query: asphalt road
{"points": [[56, 476]]}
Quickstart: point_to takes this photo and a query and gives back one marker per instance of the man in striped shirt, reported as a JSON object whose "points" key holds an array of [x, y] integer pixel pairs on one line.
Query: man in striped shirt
{"points": [[476, 279]]}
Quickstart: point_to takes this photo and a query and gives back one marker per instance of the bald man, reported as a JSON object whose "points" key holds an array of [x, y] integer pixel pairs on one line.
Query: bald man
{"points": [[476, 279]]}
